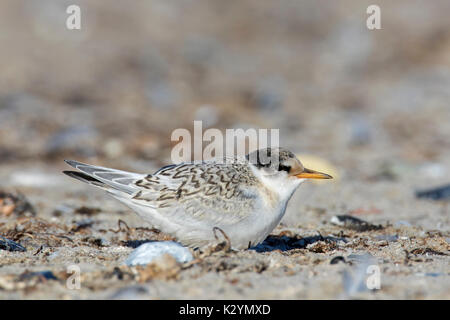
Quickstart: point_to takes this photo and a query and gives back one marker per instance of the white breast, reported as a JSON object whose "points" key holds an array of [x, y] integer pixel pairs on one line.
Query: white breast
{"points": [[270, 209]]}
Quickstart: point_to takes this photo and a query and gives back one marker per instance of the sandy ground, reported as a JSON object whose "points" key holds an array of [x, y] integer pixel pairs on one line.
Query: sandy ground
{"points": [[372, 105], [78, 226]]}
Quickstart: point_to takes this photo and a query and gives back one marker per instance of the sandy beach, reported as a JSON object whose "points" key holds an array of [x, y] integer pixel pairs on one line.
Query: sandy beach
{"points": [[371, 107]]}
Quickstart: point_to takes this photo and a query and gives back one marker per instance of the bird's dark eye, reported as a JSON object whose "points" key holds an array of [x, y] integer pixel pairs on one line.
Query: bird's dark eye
{"points": [[284, 168]]}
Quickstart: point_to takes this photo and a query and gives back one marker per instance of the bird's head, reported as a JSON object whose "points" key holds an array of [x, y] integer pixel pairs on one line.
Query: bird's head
{"points": [[281, 168]]}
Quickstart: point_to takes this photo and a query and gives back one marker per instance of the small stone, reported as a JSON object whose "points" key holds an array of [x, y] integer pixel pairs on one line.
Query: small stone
{"points": [[440, 193], [10, 245], [150, 251], [129, 293]]}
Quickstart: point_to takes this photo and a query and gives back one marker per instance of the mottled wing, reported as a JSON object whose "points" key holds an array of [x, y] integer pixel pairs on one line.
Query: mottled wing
{"points": [[208, 192]]}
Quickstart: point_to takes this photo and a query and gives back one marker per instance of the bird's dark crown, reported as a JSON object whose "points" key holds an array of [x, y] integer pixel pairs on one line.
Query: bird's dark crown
{"points": [[276, 158]]}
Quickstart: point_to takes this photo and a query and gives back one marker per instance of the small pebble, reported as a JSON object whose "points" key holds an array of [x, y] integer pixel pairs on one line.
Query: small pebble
{"points": [[10, 245], [129, 293], [150, 251], [440, 193]]}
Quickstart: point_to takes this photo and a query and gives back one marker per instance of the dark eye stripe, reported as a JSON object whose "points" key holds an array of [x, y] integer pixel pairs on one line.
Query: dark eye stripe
{"points": [[284, 168], [265, 154]]}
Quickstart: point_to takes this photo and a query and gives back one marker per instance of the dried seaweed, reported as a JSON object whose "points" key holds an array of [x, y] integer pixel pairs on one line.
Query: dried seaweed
{"points": [[427, 251], [353, 223]]}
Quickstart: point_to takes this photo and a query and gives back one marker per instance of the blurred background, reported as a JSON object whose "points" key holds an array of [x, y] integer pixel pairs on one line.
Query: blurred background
{"points": [[114, 91], [371, 107], [373, 103]]}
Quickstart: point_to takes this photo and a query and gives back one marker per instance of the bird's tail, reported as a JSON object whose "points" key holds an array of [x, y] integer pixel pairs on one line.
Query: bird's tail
{"points": [[111, 180]]}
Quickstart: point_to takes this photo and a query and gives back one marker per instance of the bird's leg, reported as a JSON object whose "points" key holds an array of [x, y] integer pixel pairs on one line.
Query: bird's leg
{"points": [[227, 244]]}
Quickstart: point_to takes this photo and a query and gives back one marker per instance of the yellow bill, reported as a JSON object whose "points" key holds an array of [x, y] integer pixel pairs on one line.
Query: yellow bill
{"points": [[311, 174]]}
